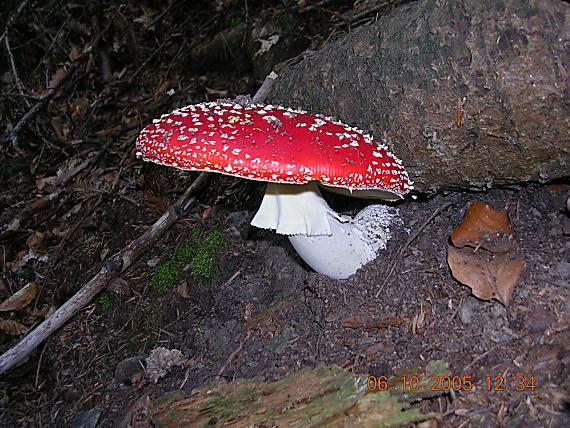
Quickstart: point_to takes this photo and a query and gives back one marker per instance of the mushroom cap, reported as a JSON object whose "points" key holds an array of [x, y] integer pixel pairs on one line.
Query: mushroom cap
{"points": [[274, 144]]}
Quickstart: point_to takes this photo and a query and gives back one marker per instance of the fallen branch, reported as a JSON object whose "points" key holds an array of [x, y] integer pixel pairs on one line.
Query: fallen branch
{"points": [[114, 266], [117, 264]]}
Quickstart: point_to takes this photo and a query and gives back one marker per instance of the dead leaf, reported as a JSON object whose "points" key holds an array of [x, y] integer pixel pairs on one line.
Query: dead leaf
{"points": [[64, 173], [161, 360], [13, 328], [20, 299], [37, 241], [209, 212], [380, 348], [483, 227], [128, 124], [183, 290], [418, 322], [58, 129], [43, 312], [556, 187], [57, 78], [217, 92], [490, 276]]}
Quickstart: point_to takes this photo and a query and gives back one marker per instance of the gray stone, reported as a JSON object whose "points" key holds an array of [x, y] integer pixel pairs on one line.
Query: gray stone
{"points": [[238, 218], [127, 370], [87, 419], [562, 269], [498, 310], [468, 310], [538, 320], [498, 331], [536, 213]]}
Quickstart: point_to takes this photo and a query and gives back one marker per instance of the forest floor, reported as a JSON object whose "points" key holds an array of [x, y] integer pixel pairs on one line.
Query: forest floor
{"points": [[236, 301]]}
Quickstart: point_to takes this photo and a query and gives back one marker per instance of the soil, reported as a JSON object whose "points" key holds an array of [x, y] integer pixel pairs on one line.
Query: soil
{"points": [[264, 314]]}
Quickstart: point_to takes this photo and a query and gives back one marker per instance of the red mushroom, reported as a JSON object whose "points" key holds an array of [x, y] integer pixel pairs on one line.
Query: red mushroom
{"points": [[292, 151]]}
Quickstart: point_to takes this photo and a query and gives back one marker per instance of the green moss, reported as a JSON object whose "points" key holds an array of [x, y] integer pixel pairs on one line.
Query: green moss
{"points": [[200, 254], [105, 302], [205, 263], [166, 275]]}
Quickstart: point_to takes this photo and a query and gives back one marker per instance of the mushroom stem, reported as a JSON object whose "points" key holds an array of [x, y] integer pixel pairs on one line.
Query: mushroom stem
{"points": [[351, 245], [295, 210], [334, 245]]}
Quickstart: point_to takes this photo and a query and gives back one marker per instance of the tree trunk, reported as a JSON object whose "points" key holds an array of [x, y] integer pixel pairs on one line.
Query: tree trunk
{"points": [[468, 93]]}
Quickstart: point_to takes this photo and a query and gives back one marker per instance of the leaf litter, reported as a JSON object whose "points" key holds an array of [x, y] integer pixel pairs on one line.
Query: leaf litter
{"points": [[20, 299], [493, 268]]}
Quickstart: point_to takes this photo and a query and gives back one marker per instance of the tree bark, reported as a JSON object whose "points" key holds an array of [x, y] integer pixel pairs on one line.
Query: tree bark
{"points": [[469, 93]]}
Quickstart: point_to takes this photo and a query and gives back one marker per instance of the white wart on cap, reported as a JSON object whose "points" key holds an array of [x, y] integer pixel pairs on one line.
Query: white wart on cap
{"points": [[273, 144]]}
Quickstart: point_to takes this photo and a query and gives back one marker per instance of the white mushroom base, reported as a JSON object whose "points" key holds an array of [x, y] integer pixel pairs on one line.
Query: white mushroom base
{"points": [[352, 244], [334, 245]]}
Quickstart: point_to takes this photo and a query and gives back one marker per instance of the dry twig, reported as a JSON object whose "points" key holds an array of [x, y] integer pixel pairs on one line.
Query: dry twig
{"points": [[17, 80]]}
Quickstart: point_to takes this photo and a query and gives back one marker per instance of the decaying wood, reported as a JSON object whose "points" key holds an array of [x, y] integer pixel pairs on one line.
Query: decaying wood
{"points": [[114, 266], [469, 94]]}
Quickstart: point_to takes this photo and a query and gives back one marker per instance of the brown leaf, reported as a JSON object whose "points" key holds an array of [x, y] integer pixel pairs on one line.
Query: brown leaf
{"points": [[43, 312], [64, 174], [183, 290], [484, 227], [36, 241], [419, 320], [490, 276], [556, 187], [20, 299], [57, 78], [13, 328], [217, 92]]}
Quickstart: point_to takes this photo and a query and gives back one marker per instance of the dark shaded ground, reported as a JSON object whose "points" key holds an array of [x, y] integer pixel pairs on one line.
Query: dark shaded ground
{"points": [[265, 314]]}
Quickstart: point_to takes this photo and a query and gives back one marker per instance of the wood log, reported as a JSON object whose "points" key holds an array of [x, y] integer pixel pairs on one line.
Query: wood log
{"points": [[469, 94]]}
